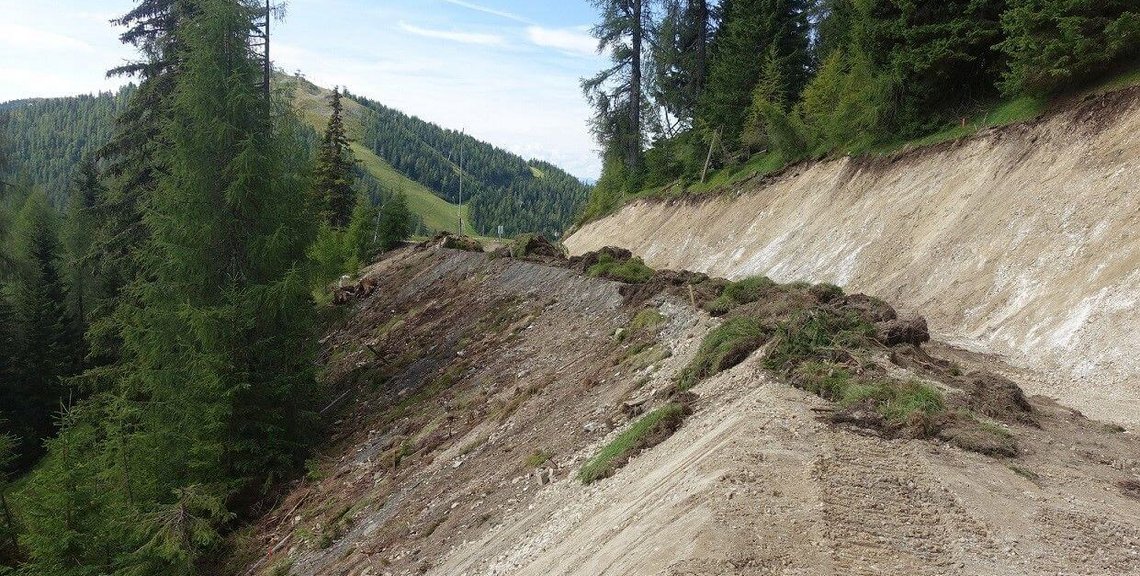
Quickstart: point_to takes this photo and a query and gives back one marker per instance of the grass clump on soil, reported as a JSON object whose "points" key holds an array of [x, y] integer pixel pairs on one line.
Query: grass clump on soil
{"points": [[632, 271], [649, 431], [646, 319], [538, 458], [724, 347], [833, 345], [737, 293]]}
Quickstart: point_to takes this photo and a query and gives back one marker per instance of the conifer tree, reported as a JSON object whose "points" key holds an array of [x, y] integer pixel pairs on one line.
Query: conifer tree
{"points": [[1052, 44], [617, 93], [334, 195], [47, 342], [213, 395], [395, 223], [751, 28]]}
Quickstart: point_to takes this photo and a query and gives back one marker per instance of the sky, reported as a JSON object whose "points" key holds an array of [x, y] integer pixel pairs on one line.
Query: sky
{"points": [[506, 71]]}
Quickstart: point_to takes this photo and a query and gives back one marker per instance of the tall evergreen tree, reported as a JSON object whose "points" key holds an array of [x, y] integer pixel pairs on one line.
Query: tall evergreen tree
{"points": [[334, 195], [680, 59], [750, 30], [119, 231], [395, 222], [617, 93], [213, 395], [47, 343]]}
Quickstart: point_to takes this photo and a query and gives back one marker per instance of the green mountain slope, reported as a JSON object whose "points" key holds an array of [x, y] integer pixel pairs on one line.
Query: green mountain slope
{"points": [[396, 152], [48, 138], [437, 214]]}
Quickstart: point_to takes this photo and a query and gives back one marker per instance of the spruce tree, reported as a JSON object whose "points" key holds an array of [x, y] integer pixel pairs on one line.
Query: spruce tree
{"points": [[1052, 44], [395, 223], [212, 397], [47, 343], [617, 93], [751, 29], [334, 195]]}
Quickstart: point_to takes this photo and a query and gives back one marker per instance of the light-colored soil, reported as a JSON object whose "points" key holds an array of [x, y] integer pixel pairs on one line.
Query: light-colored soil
{"points": [[754, 482], [1023, 242]]}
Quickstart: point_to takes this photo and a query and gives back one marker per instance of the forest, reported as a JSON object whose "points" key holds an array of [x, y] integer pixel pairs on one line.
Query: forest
{"points": [[158, 313], [695, 86], [502, 188], [49, 138]]}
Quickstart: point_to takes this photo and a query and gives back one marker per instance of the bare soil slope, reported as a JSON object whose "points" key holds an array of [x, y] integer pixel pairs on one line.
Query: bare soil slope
{"points": [[474, 388], [1023, 241]]}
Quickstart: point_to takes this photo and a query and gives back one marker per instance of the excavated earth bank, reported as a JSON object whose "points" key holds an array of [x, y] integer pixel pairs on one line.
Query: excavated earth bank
{"points": [[472, 388], [1022, 241]]}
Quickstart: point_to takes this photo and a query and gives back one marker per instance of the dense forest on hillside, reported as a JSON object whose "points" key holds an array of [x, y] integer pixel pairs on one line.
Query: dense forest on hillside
{"points": [[50, 137], [699, 85], [502, 188]]}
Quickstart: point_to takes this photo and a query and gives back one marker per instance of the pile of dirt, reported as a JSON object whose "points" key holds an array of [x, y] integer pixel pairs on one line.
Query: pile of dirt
{"points": [[453, 242], [536, 248], [996, 397], [584, 262]]}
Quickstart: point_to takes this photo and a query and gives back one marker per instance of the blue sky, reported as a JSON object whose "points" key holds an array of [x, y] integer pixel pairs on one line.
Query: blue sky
{"points": [[506, 71]]}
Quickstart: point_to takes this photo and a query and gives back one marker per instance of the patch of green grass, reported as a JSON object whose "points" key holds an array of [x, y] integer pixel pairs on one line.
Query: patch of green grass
{"points": [[740, 292], [538, 458], [632, 271], [1025, 473], [650, 430], [815, 333], [282, 567], [723, 347], [646, 319], [313, 470], [906, 399]]}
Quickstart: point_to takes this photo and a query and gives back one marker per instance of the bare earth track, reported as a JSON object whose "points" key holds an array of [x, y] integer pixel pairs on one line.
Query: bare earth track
{"points": [[461, 367]]}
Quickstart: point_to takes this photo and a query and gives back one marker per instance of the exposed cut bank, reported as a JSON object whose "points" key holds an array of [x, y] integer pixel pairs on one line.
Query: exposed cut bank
{"points": [[1023, 241]]}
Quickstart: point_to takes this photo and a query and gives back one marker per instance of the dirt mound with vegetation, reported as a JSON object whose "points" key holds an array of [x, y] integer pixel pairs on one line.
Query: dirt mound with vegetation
{"points": [[495, 415], [1020, 241]]}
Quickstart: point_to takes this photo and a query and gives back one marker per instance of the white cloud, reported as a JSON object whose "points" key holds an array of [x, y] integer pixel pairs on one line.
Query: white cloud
{"points": [[453, 36], [492, 11], [571, 40], [33, 38]]}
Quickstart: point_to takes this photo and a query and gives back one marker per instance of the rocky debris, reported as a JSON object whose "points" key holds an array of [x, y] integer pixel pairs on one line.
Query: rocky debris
{"points": [[360, 290], [1130, 488], [910, 329]]}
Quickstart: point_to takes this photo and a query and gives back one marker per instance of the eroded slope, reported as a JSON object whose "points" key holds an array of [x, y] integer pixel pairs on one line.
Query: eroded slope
{"points": [[475, 388], [1023, 241]]}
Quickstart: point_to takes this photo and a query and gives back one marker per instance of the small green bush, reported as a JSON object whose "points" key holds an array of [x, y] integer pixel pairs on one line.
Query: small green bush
{"points": [[724, 347], [650, 430], [812, 334], [632, 271]]}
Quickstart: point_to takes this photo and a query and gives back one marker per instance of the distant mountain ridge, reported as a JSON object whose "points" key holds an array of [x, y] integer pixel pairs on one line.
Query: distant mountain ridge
{"points": [[48, 138]]}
